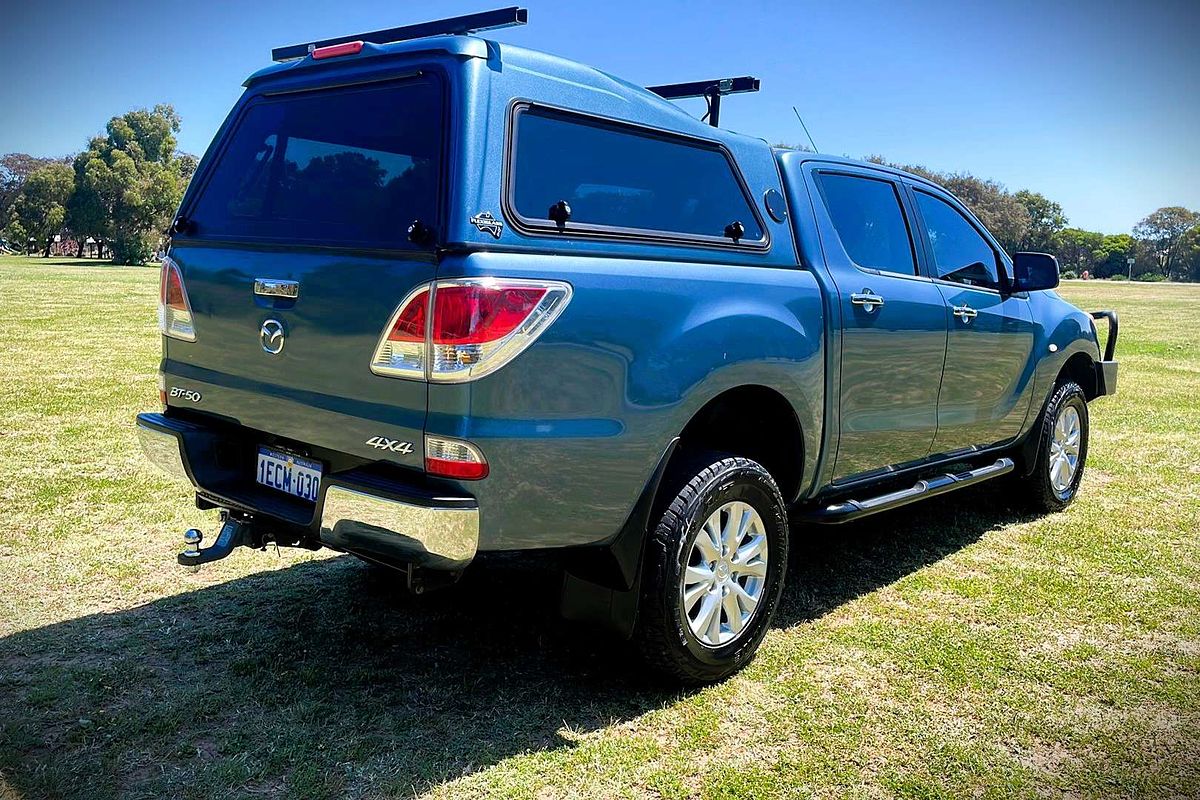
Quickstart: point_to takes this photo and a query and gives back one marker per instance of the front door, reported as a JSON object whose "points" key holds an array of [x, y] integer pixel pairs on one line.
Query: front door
{"points": [[893, 341], [987, 386]]}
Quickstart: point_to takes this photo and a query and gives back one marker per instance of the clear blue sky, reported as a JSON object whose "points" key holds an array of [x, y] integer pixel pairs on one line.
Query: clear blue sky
{"points": [[1094, 104]]}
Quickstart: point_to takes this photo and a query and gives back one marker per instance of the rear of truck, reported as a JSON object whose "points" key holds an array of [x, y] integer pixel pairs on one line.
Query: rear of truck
{"points": [[303, 324], [364, 350]]}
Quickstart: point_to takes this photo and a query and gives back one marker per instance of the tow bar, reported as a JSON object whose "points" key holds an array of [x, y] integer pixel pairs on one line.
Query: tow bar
{"points": [[234, 532], [238, 529]]}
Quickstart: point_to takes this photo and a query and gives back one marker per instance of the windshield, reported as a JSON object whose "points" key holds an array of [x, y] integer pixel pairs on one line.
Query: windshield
{"points": [[349, 166]]}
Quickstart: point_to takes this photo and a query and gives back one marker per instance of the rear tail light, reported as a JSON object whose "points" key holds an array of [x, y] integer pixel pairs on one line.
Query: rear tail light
{"points": [[174, 310], [403, 350], [459, 330], [453, 458]]}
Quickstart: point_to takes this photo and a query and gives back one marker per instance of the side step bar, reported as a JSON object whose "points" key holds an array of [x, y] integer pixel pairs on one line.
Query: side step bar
{"points": [[847, 510]]}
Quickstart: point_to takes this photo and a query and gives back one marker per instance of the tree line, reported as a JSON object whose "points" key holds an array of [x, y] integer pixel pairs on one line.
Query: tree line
{"points": [[1165, 245], [121, 191], [118, 194]]}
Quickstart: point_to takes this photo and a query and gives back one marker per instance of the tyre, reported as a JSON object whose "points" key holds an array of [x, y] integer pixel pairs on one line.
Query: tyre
{"points": [[1054, 480], [713, 572]]}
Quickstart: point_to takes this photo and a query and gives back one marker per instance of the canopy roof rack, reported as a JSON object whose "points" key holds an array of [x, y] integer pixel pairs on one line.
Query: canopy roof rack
{"points": [[711, 91], [468, 23]]}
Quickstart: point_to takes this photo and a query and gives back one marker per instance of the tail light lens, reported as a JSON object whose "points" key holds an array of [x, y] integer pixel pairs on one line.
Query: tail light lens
{"points": [[174, 310], [403, 351], [459, 330], [454, 458]]}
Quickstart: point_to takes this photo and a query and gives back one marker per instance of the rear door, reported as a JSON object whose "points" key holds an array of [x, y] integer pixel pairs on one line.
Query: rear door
{"points": [[893, 322], [298, 255], [985, 391]]}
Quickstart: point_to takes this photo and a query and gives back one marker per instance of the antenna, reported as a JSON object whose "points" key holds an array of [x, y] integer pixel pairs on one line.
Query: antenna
{"points": [[806, 133]]}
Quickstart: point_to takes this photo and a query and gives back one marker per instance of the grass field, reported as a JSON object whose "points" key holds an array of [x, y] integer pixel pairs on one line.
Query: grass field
{"points": [[954, 649]]}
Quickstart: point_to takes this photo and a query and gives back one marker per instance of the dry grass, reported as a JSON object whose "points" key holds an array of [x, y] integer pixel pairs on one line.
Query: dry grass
{"points": [[951, 649]]}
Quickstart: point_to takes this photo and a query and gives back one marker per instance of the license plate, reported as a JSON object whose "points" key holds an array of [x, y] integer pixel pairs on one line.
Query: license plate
{"points": [[299, 477]]}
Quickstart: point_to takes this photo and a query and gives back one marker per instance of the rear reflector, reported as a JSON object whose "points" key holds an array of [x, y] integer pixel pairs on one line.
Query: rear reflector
{"points": [[174, 309], [335, 50], [454, 458], [477, 325]]}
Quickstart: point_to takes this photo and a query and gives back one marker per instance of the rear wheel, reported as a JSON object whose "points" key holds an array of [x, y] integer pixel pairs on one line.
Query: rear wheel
{"points": [[1054, 480], [714, 572]]}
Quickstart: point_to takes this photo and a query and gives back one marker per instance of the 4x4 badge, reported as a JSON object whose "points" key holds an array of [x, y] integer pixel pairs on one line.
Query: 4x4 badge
{"points": [[488, 224]]}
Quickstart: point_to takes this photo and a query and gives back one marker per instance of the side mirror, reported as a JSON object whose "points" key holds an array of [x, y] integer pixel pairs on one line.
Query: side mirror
{"points": [[1033, 272]]}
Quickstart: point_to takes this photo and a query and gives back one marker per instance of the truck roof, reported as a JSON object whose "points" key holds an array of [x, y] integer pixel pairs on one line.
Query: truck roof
{"points": [[506, 56], [540, 63]]}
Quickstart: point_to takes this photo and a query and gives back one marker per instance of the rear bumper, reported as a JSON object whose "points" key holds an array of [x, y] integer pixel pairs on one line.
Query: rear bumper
{"points": [[358, 510]]}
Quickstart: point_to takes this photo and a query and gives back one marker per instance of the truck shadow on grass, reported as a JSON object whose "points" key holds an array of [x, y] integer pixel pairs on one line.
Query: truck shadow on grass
{"points": [[325, 679]]}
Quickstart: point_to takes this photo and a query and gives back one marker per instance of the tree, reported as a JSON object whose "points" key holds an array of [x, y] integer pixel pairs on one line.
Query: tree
{"points": [[1046, 218], [1189, 255], [15, 169], [1112, 257], [1162, 232], [129, 182], [41, 207], [1076, 248], [996, 208]]}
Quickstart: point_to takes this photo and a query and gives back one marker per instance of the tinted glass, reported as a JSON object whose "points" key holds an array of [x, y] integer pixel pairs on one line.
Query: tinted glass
{"points": [[619, 178], [870, 222], [351, 166], [960, 253]]}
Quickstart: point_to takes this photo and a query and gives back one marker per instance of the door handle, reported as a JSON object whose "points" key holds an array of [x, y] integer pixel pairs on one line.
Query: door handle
{"points": [[269, 287], [965, 313], [867, 299]]}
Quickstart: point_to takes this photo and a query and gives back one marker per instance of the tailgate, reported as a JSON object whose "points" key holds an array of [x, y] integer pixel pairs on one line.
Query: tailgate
{"points": [[316, 188], [319, 388]]}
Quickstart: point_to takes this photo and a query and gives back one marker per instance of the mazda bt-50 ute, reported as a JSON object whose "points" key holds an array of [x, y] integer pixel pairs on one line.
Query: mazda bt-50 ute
{"points": [[429, 295]]}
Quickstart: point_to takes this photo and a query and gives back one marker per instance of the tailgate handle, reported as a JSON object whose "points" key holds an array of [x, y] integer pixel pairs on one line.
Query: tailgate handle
{"points": [[269, 287]]}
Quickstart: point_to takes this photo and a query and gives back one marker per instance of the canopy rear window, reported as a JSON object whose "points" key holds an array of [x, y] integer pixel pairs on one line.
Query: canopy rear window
{"points": [[348, 167]]}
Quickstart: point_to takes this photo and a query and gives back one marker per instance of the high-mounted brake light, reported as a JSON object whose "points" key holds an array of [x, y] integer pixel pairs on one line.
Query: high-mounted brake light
{"points": [[174, 309], [335, 50], [472, 327]]}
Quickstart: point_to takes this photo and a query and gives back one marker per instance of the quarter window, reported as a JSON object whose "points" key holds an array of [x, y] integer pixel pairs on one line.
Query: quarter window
{"points": [[619, 178], [869, 221], [960, 253]]}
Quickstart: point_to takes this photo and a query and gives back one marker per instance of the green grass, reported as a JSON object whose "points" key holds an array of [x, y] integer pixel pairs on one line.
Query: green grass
{"points": [[953, 649]]}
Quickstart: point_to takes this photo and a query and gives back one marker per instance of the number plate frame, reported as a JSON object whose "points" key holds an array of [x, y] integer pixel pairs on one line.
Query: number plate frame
{"points": [[299, 477]]}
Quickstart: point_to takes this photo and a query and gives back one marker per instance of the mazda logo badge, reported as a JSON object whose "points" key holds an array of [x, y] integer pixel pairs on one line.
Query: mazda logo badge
{"points": [[272, 336]]}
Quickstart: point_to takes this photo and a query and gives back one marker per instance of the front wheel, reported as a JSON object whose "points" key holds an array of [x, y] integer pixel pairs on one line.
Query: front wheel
{"points": [[714, 572], [1062, 451]]}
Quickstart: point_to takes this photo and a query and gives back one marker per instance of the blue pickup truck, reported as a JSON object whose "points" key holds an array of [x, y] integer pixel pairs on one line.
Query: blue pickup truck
{"points": [[429, 295]]}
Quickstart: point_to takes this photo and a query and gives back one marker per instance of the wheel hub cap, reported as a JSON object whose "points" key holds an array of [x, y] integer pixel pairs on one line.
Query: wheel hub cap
{"points": [[726, 574], [1064, 449]]}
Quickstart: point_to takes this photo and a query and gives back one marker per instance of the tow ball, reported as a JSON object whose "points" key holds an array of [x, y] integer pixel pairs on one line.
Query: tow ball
{"points": [[234, 532]]}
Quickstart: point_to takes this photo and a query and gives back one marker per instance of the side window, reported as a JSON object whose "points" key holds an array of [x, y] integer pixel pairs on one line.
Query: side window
{"points": [[867, 215], [960, 253], [615, 177]]}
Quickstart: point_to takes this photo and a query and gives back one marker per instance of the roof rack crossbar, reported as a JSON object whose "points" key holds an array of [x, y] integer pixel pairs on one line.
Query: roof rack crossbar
{"points": [[468, 23], [711, 91]]}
